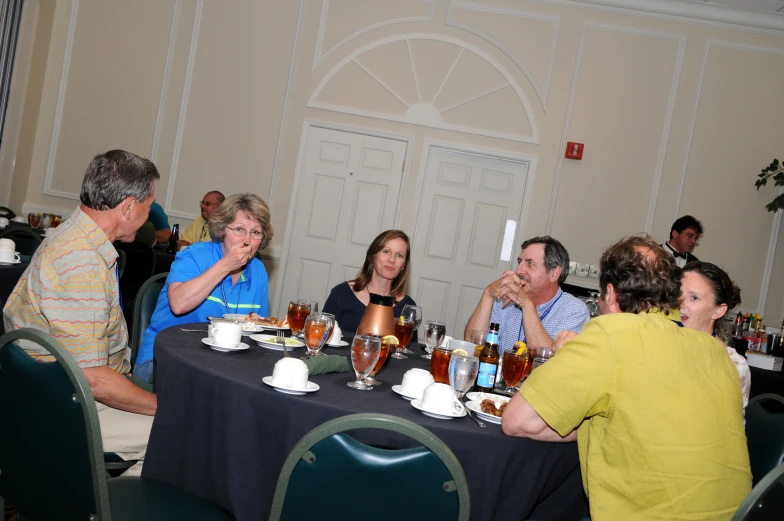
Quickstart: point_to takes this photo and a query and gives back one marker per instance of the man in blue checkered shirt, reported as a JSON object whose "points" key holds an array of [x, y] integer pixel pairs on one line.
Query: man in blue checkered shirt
{"points": [[528, 303]]}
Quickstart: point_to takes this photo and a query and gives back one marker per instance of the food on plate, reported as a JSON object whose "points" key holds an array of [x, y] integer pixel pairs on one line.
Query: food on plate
{"points": [[255, 319], [488, 407]]}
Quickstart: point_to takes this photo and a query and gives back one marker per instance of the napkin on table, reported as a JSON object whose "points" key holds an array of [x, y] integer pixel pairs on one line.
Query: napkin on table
{"points": [[327, 364]]}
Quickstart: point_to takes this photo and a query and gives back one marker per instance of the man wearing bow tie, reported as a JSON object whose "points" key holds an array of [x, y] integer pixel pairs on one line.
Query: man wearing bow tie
{"points": [[684, 237]]}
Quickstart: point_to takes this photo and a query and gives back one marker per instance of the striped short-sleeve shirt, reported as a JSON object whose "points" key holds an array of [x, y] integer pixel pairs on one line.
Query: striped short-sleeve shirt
{"points": [[70, 290]]}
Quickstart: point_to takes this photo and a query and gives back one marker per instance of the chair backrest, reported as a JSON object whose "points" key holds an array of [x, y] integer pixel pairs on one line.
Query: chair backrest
{"points": [[7, 213], [766, 500], [143, 308], [429, 478], [27, 241], [139, 266], [50, 443], [765, 433]]}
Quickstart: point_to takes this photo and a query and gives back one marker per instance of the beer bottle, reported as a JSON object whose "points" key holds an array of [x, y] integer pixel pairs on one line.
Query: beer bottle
{"points": [[488, 361], [737, 328], [174, 239], [746, 322]]}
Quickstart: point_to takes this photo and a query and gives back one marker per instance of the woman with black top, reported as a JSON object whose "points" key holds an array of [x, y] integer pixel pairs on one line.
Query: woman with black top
{"points": [[385, 272]]}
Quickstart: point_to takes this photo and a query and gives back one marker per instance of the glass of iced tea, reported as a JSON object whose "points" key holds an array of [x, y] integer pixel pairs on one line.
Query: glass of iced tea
{"points": [[298, 312], [382, 357], [34, 219], [513, 368], [439, 364], [404, 330], [317, 328], [478, 339], [365, 350]]}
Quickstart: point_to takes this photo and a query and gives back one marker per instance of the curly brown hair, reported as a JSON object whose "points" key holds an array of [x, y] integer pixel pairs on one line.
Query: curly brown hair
{"points": [[643, 275]]}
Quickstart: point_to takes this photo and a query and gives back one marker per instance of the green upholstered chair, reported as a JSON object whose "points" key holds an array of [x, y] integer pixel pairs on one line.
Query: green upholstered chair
{"points": [[51, 454], [27, 240], [766, 500], [364, 480], [146, 234], [143, 307], [765, 434]]}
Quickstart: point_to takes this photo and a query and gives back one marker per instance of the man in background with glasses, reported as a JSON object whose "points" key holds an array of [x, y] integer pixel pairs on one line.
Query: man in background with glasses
{"points": [[684, 237], [198, 231]]}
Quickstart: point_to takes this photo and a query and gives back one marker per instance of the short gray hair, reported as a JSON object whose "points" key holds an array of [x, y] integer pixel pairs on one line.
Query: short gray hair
{"points": [[114, 176], [251, 205], [554, 255]]}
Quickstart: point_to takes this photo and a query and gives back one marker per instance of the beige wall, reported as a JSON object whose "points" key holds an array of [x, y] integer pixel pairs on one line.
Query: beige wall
{"points": [[676, 115]]}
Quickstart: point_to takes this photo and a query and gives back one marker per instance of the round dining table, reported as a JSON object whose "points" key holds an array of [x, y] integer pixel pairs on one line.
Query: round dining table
{"points": [[221, 433]]}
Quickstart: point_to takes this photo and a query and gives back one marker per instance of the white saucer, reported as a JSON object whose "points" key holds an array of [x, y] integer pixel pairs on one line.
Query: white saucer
{"points": [[478, 397], [311, 388], [224, 348], [399, 390], [342, 343], [417, 404], [10, 263]]}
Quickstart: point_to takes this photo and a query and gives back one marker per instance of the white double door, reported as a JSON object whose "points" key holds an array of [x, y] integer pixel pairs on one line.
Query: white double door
{"points": [[470, 202], [348, 192]]}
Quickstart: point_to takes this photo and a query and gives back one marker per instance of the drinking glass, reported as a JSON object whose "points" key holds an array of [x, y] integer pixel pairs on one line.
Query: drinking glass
{"points": [[514, 367], [365, 350], [404, 330], [462, 373], [34, 219], [46, 221], [56, 220], [414, 313], [439, 364], [298, 311], [382, 357], [478, 337], [434, 335], [316, 327]]}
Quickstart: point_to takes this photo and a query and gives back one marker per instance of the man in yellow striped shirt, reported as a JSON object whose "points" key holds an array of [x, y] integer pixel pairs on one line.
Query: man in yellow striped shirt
{"points": [[70, 290]]}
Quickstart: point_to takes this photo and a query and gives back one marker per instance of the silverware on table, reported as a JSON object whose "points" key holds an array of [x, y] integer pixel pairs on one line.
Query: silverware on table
{"points": [[472, 415], [193, 330], [281, 339]]}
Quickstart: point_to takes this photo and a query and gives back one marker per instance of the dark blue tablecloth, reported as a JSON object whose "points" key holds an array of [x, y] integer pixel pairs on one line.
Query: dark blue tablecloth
{"points": [[223, 434]]}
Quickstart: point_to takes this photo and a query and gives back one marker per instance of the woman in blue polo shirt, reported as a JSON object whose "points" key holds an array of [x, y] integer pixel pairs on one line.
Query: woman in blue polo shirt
{"points": [[214, 278]]}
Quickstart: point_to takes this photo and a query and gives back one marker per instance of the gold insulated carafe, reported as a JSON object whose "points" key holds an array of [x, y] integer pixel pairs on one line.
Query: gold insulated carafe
{"points": [[378, 318]]}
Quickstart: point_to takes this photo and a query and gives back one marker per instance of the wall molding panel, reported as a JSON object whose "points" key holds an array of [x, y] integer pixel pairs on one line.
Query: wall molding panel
{"points": [[319, 56], [541, 90], [664, 139]]}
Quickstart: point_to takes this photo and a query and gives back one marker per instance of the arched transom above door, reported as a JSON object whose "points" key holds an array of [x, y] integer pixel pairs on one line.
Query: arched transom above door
{"points": [[430, 80]]}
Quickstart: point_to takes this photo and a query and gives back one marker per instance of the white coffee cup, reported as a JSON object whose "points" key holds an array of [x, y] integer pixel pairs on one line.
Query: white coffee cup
{"points": [[7, 244], [226, 333], [19, 219], [9, 256], [3, 222], [441, 399], [291, 373], [415, 381]]}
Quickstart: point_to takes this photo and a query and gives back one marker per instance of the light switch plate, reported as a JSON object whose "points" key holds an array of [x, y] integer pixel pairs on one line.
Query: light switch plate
{"points": [[583, 270], [573, 268], [593, 271]]}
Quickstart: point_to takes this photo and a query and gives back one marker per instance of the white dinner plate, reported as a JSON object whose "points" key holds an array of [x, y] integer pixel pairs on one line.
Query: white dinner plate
{"points": [[268, 341], [224, 348], [239, 317], [10, 263], [417, 404], [399, 390], [476, 407], [310, 388], [341, 343], [478, 397]]}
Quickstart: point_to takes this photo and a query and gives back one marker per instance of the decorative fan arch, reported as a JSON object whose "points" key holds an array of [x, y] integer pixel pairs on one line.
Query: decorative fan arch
{"points": [[429, 80]]}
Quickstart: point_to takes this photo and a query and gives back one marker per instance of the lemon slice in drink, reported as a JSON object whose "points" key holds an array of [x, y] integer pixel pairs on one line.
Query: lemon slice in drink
{"points": [[390, 340], [521, 347], [459, 352]]}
